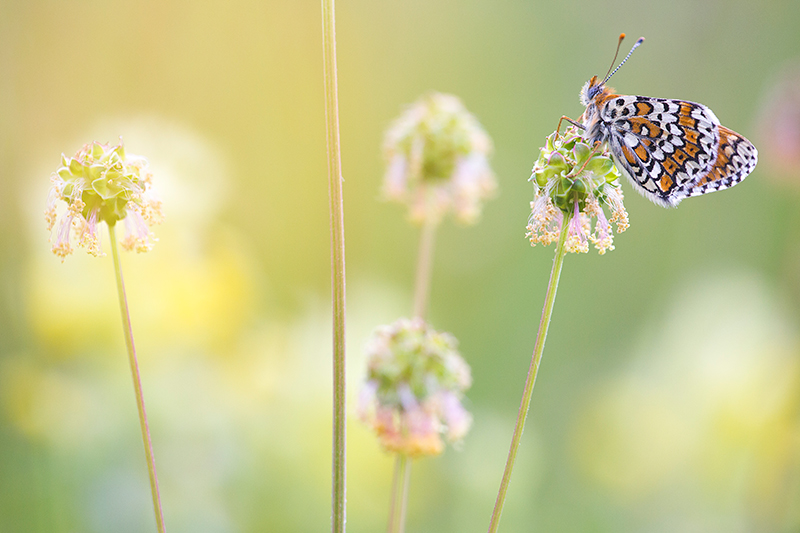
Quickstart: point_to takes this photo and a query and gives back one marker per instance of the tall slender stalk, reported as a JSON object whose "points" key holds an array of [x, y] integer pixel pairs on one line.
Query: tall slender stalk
{"points": [[400, 484], [402, 471], [527, 393], [424, 266], [338, 490], [394, 501], [137, 383], [405, 465]]}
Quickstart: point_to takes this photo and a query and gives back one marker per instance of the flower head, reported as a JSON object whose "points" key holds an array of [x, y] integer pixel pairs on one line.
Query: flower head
{"points": [[102, 184], [437, 160], [779, 126], [415, 382], [571, 179]]}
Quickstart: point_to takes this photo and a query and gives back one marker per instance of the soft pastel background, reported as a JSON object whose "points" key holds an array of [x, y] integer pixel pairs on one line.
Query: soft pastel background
{"points": [[669, 395]]}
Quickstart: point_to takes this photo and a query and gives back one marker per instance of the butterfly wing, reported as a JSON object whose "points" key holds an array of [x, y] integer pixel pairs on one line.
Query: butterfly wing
{"points": [[663, 146], [736, 158]]}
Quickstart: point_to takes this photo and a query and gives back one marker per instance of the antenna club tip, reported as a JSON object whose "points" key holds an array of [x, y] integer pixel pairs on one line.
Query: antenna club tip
{"points": [[621, 36], [640, 40]]}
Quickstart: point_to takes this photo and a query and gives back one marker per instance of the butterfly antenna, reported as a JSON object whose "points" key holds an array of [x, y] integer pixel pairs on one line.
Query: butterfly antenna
{"points": [[635, 46], [621, 37]]}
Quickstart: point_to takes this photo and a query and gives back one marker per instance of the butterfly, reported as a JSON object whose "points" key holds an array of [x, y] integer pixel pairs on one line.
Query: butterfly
{"points": [[668, 149]]}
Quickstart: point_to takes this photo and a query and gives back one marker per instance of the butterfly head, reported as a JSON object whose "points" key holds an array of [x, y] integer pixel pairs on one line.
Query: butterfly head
{"points": [[594, 86], [591, 89]]}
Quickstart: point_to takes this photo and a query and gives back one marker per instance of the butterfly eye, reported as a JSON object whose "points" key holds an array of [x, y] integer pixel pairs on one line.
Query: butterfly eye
{"points": [[593, 90]]}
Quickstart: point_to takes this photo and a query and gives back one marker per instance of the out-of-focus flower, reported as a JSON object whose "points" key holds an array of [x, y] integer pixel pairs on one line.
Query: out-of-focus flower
{"points": [[415, 381], [779, 126], [102, 184], [571, 178], [437, 160]]}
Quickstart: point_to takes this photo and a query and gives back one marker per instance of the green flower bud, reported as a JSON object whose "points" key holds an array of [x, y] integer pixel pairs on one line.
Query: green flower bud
{"points": [[581, 152], [600, 165]]}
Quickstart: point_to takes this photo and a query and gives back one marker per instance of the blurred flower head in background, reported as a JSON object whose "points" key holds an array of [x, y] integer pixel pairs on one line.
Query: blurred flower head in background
{"points": [[437, 158], [415, 382], [779, 126], [571, 178], [102, 184]]}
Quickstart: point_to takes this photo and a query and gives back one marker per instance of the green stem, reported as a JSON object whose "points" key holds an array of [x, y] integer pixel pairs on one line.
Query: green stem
{"points": [[402, 472], [137, 383], [338, 489], [393, 502], [547, 311], [424, 266], [404, 501], [400, 484]]}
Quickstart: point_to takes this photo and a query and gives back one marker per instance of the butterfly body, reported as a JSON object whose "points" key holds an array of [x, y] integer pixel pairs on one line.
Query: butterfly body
{"points": [[668, 149]]}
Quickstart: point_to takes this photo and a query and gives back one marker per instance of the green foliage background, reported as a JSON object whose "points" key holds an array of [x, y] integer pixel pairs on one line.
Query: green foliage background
{"points": [[668, 396]]}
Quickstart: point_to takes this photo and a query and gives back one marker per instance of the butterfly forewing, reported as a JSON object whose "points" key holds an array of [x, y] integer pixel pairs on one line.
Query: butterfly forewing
{"points": [[662, 145]]}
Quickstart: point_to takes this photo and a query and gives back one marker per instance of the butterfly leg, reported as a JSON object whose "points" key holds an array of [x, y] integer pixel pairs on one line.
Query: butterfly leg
{"points": [[596, 149], [573, 122]]}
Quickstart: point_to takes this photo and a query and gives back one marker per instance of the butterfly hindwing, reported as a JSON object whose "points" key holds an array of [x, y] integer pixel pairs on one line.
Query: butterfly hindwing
{"points": [[736, 158], [662, 145]]}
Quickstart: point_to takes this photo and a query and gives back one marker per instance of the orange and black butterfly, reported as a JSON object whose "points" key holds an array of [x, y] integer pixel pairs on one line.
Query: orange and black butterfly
{"points": [[668, 149]]}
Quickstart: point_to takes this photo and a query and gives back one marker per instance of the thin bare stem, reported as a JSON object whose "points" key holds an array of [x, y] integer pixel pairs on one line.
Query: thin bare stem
{"points": [[394, 501], [402, 472], [338, 489], [400, 484], [538, 349], [137, 383], [404, 500], [424, 266]]}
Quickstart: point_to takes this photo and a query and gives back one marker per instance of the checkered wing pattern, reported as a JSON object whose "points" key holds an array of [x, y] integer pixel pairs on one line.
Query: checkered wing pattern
{"points": [[736, 158], [666, 147]]}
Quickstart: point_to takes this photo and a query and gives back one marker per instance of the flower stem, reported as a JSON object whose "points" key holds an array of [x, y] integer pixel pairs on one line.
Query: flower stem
{"points": [[547, 311], [338, 489], [400, 483], [424, 266], [137, 383], [404, 501], [402, 472]]}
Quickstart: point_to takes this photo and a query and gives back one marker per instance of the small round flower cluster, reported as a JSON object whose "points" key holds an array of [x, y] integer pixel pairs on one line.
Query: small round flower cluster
{"points": [[571, 179], [779, 127], [102, 184], [415, 382], [437, 157]]}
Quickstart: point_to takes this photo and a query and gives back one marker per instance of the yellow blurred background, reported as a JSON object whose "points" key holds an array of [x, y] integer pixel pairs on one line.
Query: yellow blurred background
{"points": [[669, 394]]}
